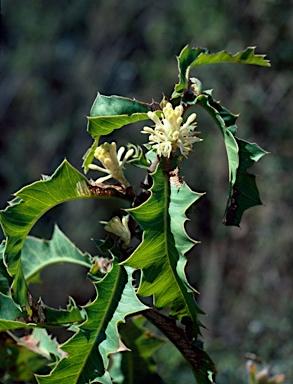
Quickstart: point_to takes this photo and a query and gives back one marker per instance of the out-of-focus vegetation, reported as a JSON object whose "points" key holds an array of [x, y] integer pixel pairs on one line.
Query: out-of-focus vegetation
{"points": [[56, 55]]}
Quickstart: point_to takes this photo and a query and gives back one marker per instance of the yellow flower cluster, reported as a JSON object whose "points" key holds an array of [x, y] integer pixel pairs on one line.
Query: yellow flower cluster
{"points": [[114, 166], [169, 134]]}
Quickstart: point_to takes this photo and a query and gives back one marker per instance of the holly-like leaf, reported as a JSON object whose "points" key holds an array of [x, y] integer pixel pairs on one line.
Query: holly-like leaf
{"points": [[30, 204], [243, 191], [136, 365], [88, 350], [192, 57], [37, 254], [160, 255], [226, 122], [109, 113], [116, 106], [11, 317]]}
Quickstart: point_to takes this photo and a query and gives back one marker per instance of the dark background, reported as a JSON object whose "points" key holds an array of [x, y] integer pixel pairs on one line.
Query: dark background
{"points": [[56, 55]]}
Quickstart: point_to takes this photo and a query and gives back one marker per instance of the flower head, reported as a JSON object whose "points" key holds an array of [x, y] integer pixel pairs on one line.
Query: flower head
{"points": [[120, 229], [169, 134], [106, 154]]}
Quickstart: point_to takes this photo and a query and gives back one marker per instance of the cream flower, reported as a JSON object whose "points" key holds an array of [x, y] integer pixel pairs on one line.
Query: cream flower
{"points": [[169, 134], [120, 229], [106, 154]]}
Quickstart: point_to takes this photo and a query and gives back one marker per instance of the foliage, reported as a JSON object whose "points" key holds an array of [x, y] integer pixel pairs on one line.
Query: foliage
{"points": [[156, 217]]}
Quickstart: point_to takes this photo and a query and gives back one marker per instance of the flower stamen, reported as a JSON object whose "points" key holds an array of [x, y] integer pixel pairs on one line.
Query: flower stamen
{"points": [[168, 133]]}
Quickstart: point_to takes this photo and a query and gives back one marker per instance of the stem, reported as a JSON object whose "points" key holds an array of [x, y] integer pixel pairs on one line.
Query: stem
{"points": [[196, 357]]}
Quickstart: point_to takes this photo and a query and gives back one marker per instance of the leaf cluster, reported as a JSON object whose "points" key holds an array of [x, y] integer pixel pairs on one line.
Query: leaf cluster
{"points": [[156, 217]]}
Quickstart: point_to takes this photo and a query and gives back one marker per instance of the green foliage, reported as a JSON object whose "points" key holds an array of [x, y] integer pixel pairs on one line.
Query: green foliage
{"points": [[97, 337], [163, 268], [38, 254], [156, 218], [109, 113], [243, 192], [191, 57], [136, 364]]}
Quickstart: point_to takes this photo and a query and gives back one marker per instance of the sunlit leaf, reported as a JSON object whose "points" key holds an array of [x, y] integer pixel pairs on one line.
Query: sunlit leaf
{"points": [[11, 317], [192, 57], [37, 254], [97, 337], [33, 201], [160, 256], [109, 113]]}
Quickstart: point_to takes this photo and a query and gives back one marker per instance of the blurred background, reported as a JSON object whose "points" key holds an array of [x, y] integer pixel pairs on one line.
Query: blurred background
{"points": [[55, 56]]}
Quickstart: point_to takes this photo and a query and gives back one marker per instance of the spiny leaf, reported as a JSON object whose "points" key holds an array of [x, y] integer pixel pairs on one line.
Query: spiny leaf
{"points": [[37, 254], [97, 337], [192, 57], [243, 191], [136, 365], [109, 113], [30, 204], [226, 122], [116, 105], [160, 256], [11, 317]]}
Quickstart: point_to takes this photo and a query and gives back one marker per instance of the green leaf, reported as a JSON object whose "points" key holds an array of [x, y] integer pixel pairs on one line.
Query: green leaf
{"points": [[88, 349], [61, 317], [109, 113], [11, 317], [89, 156], [9, 311], [37, 254], [116, 105], [226, 122], [30, 204], [192, 57], [243, 191], [5, 278], [136, 365], [160, 256], [185, 59]]}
